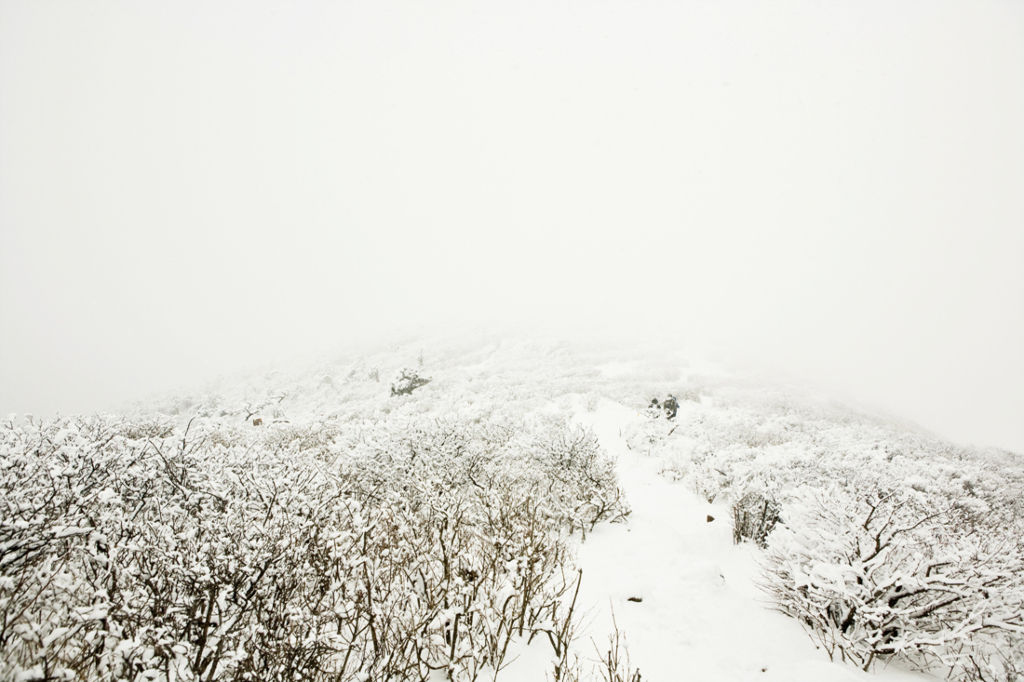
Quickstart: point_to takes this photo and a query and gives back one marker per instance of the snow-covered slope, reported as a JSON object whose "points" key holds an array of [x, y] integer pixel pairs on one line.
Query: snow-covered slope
{"points": [[685, 599]]}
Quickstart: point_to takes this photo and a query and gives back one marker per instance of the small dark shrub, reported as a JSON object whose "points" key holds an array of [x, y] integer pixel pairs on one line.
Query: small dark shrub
{"points": [[408, 381], [754, 517]]}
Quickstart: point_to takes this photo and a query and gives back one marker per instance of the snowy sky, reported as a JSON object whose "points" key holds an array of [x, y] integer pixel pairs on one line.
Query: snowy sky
{"points": [[836, 188]]}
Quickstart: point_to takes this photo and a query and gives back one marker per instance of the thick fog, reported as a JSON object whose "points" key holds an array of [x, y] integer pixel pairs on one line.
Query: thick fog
{"points": [[831, 189]]}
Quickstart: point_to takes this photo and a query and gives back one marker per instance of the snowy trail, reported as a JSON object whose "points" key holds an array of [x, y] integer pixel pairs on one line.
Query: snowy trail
{"points": [[701, 616]]}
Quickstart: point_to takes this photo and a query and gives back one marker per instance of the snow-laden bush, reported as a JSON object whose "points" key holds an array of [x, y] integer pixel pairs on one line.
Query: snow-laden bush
{"points": [[753, 518], [875, 573], [131, 550], [407, 381]]}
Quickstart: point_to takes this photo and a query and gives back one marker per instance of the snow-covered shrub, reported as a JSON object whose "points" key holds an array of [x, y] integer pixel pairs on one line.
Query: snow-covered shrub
{"points": [[705, 480], [133, 550], [650, 436], [878, 572], [614, 664], [407, 381], [1002, 661], [753, 518]]}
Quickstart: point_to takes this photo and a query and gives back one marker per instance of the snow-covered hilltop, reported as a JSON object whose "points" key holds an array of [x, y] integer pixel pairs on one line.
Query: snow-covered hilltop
{"points": [[511, 510]]}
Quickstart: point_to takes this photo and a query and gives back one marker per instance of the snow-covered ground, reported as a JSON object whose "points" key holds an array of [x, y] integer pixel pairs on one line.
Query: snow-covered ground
{"points": [[669, 578]]}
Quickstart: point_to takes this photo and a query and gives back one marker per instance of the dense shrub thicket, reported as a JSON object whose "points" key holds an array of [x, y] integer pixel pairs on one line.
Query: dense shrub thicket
{"points": [[880, 541], [404, 548], [875, 572]]}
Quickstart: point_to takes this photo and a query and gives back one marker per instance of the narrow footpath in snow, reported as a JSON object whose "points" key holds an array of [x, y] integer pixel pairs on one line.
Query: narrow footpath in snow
{"points": [[702, 616]]}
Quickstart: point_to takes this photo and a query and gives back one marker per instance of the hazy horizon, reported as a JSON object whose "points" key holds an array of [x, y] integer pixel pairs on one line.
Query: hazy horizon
{"points": [[832, 190]]}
